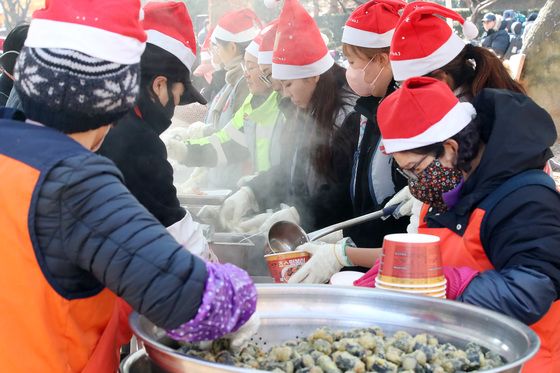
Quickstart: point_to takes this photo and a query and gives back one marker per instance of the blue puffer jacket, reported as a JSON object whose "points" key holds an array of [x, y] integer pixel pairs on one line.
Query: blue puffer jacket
{"points": [[93, 233]]}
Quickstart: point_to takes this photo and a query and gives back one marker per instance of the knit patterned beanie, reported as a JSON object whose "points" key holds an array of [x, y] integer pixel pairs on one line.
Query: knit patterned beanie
{"points": [[73, 92]]}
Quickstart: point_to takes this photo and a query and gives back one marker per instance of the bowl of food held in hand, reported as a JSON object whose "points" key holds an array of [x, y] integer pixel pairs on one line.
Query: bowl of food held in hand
{"points": [[283, 265], [321, 328]]}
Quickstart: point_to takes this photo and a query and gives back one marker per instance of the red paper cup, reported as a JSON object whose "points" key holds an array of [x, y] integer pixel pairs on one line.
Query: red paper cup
{"points": [[283, 265], [411, 259], [436, 289], [423, 287]]}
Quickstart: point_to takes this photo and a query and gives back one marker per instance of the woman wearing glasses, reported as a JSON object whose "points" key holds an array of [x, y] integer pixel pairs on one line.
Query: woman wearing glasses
{"points": [[479, 171], [246, 142], [316, 165]]}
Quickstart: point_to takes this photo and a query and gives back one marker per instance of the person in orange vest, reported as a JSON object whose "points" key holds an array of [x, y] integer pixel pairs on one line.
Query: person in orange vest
{"points": [[478, 168], [78, 250]]}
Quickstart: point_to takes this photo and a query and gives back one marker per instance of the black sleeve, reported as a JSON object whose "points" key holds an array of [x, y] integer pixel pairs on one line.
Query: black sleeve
{"points": [[500, 43], [332, 203], [150, 179], [521, 237], [106, 232], [271, 187]]}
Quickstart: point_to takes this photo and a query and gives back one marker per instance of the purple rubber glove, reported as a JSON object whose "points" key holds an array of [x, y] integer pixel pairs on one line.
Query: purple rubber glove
{"points": [[229, 300], [458, 278]]}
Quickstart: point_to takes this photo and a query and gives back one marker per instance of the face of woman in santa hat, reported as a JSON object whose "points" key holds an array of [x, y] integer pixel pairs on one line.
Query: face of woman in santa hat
{"points": [[369, 76], [300, 91], [225, 51], [252, 74]]}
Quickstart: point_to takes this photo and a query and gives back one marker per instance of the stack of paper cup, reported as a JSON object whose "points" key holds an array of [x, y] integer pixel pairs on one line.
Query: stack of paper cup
{"points": [[411, 263]]}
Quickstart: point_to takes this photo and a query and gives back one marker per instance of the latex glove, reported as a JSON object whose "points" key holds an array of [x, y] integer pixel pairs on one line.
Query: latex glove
{"points": [[405, 200], [458, 278], [333, 237], [288, 214], [176, 150], [236, 206], [197, 179], [253, 224], [189, 234], [326, 260], [245, 180], [243, 335]]}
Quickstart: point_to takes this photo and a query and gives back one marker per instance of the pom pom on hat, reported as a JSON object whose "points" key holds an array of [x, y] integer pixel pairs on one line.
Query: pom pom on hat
{"points": [[271, 4], [470, 31]]}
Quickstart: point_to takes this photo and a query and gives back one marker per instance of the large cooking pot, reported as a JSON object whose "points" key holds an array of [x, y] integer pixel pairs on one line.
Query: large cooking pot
{"points": [[291, 311]]}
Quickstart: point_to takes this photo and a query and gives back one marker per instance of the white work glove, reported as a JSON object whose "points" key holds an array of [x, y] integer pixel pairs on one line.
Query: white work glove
{"points": [[286, 214], [176, 149], [415, 217], [209, 214], [236, 206], [242, 336], [196, 130], [189, 234], [245, 180], [197, 180], [252, 225], [405, 200], [333, 237], [326, 260]]}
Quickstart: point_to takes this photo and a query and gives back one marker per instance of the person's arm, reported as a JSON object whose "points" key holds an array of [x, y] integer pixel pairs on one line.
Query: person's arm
{"points": [[107, 233], [362, 257], [500, 43], [521, 240]]}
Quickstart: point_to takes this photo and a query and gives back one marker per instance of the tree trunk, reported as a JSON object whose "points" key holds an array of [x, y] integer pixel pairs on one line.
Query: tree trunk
{"points": [[15, 12], [541, 74]]}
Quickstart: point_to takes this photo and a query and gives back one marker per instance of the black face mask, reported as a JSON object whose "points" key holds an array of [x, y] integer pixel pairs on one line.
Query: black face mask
{"points": [[169, 108]]}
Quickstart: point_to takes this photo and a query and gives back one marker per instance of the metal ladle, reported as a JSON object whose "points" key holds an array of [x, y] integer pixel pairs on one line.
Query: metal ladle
{"points": [[286, 236]]}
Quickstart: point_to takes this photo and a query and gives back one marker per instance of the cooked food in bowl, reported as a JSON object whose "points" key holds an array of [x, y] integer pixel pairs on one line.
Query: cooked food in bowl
{"points": [[357, 350]]}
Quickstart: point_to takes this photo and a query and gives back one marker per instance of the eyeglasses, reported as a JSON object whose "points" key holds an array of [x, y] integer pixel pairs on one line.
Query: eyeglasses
{"points": [[247, 69], [266, 79], [410, 173]]}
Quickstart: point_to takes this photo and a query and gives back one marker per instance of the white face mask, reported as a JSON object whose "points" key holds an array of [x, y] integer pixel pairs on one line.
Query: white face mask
{"points": [[356, 80]]}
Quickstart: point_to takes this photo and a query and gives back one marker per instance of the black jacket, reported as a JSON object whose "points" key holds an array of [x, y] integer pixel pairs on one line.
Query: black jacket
{"points": [[373, 184], [320, 202], [498, 41], [89, 232], [135, 147], [521, 234]]}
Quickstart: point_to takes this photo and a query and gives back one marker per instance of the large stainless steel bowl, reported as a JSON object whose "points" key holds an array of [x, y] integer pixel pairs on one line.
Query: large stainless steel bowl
{"points": [[291, 311]]}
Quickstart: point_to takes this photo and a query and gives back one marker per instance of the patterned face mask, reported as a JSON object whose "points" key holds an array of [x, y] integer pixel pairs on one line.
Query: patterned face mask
{"points": [[433, 182]]}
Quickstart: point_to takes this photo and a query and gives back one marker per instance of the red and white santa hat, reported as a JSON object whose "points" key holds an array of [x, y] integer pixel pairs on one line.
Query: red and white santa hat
{"points": [[424, 111], [372, 24], [110, 32], [267, 46], [300, 51], [239, 26], [254, 46], [169, 26], [206, 46], [423, 42]]}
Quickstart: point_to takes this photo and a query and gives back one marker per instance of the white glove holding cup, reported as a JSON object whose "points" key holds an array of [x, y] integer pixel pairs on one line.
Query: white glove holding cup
{"points": [[326, 260]]}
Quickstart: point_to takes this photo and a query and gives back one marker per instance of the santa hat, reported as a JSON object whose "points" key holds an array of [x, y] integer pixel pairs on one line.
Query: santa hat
{"points": [[424, 42], [169, 26], [205, 48], [300, 51], [254, 46], [267, 45], [424, 111], [372, 24], [109, 30], [239, 26]]}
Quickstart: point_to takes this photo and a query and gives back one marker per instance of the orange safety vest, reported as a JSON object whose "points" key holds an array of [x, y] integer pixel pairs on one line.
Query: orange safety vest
{"points": [[42, 331], [467, 250]]}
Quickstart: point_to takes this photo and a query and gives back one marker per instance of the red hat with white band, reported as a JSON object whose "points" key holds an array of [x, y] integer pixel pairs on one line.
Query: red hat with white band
{"points": [[169, 26], [95, 28], [267, 46], [238, 26], [424, 111], [424, 42], [372, 24], [254, 46], [300, 51]]}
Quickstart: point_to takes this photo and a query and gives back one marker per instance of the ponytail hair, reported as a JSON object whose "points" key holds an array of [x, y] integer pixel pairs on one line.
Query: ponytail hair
{"points": [[476, 68]]}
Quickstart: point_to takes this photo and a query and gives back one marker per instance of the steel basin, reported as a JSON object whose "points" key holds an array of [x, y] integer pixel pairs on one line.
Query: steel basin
{"points": [[245, 251], [290, 311]]}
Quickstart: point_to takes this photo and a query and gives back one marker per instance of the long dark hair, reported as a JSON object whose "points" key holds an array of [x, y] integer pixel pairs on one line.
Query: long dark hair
{"points": [[469, 140], [476, 68], [330, 95]]}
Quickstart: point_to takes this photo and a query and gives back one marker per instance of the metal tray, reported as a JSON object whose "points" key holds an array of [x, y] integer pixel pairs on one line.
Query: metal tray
{"points": [[245, 251], [208, 197], [291, 311]]}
